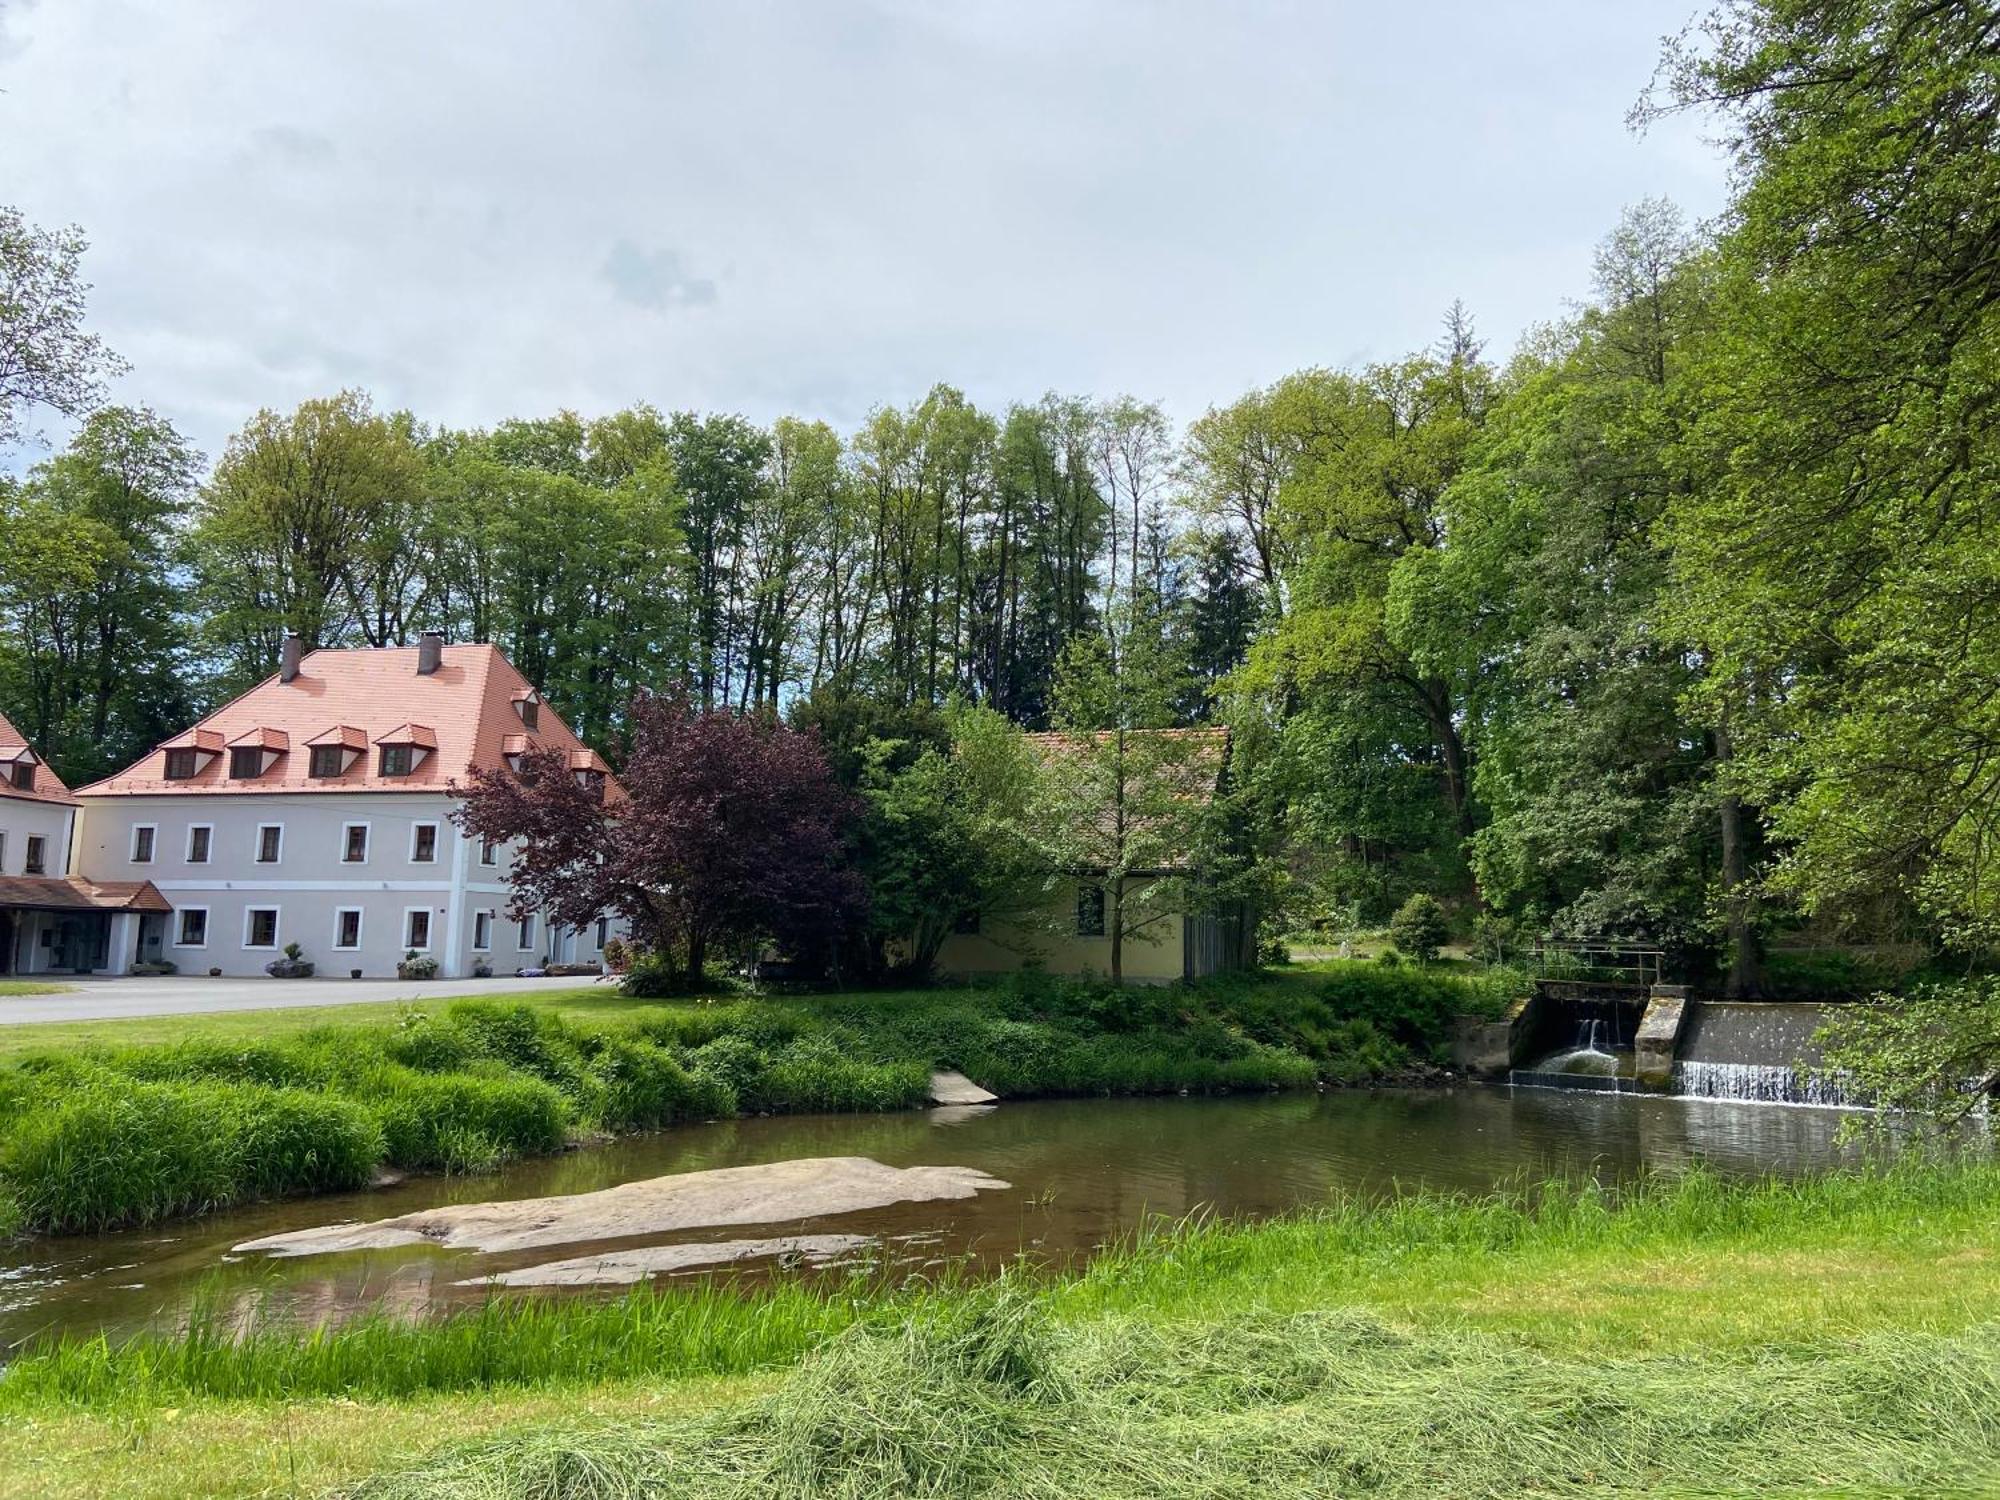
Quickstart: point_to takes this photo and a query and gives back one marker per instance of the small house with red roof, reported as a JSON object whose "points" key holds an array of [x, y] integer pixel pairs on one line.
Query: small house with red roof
{"points": [[50, 920], [317, 809]]}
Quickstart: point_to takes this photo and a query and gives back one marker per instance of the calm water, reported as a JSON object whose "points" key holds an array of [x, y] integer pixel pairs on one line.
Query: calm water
{"points": [[1082, 1173]]}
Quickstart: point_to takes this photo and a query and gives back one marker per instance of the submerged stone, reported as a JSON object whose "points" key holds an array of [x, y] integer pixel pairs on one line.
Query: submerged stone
{"points": [[627, 1267], [948, 1087], [772, 1193]]}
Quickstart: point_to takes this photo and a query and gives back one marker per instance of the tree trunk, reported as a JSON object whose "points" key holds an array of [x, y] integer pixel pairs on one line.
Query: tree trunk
{"points": [[1114, 901], [697, 953], [1739, 903]]}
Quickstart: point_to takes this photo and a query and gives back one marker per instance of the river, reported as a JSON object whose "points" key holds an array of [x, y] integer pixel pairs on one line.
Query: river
{"points": [[1080, 1173]]}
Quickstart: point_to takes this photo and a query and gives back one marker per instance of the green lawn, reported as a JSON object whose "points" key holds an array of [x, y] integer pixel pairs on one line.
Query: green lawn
{"points": [[33, 987], [599, 1002]]}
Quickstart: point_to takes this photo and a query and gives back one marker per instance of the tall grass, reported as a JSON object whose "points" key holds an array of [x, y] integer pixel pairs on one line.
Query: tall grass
{"points": [[1189, 1270]]}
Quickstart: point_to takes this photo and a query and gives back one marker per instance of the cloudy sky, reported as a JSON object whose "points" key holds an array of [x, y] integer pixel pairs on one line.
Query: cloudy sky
{"points": [[486, 208]]}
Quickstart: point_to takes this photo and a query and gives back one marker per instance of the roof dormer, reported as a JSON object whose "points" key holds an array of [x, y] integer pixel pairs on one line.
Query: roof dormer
{"points": [[404, 748], [186, 756], [333, 751], [17, 767], [528, 708], [255, 751]]}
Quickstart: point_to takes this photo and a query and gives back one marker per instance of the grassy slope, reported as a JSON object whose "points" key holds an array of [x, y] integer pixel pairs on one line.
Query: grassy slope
{"points": [[33, 987], [1751, 1285]]}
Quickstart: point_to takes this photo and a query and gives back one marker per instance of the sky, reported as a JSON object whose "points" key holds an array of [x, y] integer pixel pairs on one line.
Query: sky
{"points": [[479, 209]]}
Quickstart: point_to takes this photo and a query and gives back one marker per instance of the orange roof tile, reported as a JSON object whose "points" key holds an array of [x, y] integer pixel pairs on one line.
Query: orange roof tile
{"points": [[262, 737], [344, 735], [47, 787], [464, 710], [196, 738], [74, 893]]}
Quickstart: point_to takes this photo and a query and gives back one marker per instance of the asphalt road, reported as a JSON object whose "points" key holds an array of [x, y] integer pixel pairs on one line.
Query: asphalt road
{"points": [[190, 995]]}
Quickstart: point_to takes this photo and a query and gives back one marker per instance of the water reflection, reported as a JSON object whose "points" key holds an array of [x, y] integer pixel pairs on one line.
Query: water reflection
{"points": [[1082, 1173]]}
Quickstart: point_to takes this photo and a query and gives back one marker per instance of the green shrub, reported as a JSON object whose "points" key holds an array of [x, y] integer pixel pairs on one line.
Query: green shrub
{"points": [[1419, 928], [289, 1141], [643, 1086], [274, 1064], [122, 1153], [1412, 1007], [429, 1118], [815, 1075]]}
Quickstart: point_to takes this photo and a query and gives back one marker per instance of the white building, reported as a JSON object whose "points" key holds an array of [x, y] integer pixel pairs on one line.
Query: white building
{"points": [[51, 921], [316, 809]]}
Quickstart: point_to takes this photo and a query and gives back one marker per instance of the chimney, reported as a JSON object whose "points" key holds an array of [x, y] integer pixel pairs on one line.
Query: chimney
{"points": [[430, 652], [288, 656]]}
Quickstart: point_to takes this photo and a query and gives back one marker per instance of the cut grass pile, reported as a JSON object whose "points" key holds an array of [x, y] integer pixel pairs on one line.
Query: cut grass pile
{"points": [[984, 1395], [101, 1135]]}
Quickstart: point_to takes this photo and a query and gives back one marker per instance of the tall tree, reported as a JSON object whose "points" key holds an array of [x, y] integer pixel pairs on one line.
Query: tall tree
{"points": [[46, 356]]}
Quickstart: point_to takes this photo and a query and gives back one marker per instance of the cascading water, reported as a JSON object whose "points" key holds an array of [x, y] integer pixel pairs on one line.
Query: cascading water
{"points": [[1759, 1083], [1591, 1061]]}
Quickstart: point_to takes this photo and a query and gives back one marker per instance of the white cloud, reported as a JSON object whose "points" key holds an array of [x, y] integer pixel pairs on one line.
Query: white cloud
{"points": [[482, 208]]}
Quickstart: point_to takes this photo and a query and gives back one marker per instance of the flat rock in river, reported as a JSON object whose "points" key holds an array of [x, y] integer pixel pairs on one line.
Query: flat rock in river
{"points": [[955, 1088], [774, 1193], [625, 1267]]}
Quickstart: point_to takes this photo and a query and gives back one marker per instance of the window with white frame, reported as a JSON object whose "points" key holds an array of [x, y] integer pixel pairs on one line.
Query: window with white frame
{"points": [[143, 835], [36, 862], [201, 841], [191, 927], [270, 843], [482, 931], [524, 933], [260, 927], [354, 843], [347, 927], [423, 844], [417, 928]]}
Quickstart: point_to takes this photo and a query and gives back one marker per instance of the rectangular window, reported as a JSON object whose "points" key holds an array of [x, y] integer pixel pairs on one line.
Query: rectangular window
{"points": [[325, 761], [482, 931], [192, 928], [24, 776], [395, 760], [489, 852], [246, 762], [531, 714], [603, 932], [200, 837], [36, 862], [417, 928], [270, 842], [524, 934], [424, 844], [347, 927], [260, 927], [1090, 911], [142, 843], [354, 843], [181, 764]]}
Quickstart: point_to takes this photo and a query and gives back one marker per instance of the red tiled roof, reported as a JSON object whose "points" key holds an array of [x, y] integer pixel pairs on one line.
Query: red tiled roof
{"points": [[197, 738], [48, 786], [27, 893], [344, 735], [463, 712]]}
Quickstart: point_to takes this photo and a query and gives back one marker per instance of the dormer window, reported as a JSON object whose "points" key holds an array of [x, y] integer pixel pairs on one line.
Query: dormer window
{"points": [[24, 776], [396, 760], [246, 762], [403, 749], [327, 761], [531, 713], [182, 765]]}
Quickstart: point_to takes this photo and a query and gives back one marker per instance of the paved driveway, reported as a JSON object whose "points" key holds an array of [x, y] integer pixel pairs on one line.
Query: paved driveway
{"points": [[189, 994]]}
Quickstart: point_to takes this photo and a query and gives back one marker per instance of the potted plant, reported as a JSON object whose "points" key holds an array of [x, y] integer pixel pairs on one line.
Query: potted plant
{"points": [[353, 973], [417, 965], [482, 970], [292, 966], [214, 972]]}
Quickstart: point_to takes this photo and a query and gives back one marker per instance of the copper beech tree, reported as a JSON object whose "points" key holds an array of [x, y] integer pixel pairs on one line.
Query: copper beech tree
{"points": [[722, 829]]}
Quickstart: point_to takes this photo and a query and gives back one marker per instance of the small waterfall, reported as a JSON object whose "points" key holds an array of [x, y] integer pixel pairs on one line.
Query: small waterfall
{"points": [[1760, 1083]]}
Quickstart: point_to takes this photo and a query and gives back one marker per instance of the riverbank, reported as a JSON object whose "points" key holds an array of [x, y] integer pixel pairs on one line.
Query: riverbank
{"points": [[99, 1135], [1687, 1334]]}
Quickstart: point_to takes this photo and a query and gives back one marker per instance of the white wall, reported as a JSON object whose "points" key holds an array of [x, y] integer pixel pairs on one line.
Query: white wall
{"points": [[308, 884], [22, 819]]}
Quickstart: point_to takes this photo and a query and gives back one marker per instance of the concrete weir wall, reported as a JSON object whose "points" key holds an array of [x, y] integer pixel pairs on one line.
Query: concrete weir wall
{"points": [[1490, 1048], [1658, 1035]]}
